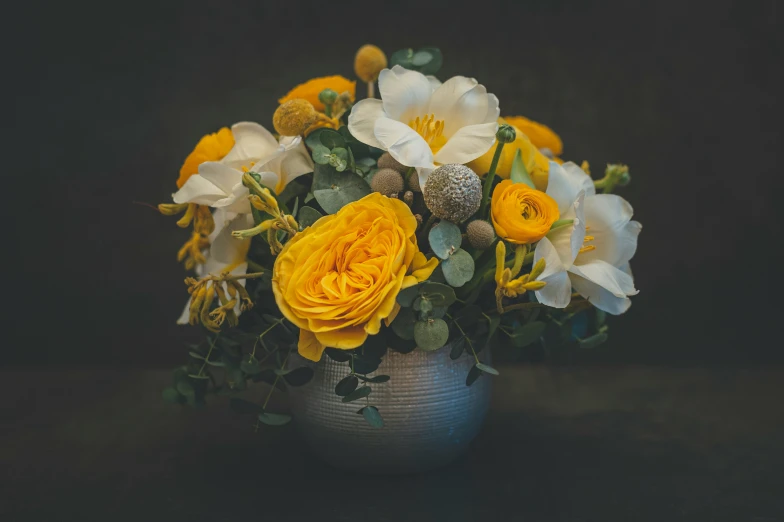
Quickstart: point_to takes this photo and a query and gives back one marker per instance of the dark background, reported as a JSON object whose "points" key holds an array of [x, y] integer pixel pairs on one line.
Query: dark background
{"points": [[107, 100]]}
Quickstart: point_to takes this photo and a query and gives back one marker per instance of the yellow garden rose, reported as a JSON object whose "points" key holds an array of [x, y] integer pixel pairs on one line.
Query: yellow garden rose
{"points": [[339, 278], [520, 214], [541, 135], [212, 147], [537, 164], [310, 90]]}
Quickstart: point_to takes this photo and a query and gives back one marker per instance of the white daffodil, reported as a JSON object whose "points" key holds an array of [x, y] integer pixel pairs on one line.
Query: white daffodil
{"points": [[592, 254], [219, 183], [423, 125], [226, 254]]}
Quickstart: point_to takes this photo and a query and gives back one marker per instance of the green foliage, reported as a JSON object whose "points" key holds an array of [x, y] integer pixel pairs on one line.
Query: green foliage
{"points": [[427, 60], [486, 368], [338, 355], [308, 216], [359, 393], [445, 238], [458, 268], [372, 416], [593, 341], [298, 376], [274, 419], [473, 374], [333, 190], [431, 334], [346, 385], [403, 325], [519, 173], [523, 335]]}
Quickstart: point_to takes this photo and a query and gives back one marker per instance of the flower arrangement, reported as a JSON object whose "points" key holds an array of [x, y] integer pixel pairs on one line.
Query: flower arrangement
{"points": [[417, 220]]}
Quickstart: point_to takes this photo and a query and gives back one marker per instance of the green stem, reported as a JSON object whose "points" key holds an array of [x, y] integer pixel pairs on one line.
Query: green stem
{"points": [[468, 339], [209, 352], [489, 181], [275, 383]]}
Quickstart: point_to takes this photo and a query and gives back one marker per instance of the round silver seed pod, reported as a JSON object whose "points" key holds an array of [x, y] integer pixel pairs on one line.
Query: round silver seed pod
{"points": [[453, 192]]}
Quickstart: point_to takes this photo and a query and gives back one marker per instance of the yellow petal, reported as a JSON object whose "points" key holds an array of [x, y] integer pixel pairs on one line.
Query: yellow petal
{"points": [[343, 338], [309, 347], [540, 134], [311, 89]]}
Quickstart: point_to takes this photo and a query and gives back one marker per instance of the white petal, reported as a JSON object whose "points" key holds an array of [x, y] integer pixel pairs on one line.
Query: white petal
{"points": [[227, 250], [198, 190], [405, 94], [558, 291], [186, 312], [599, 297], [568, 240], [435, 83], [468, 143], [251, 142], [424, 173], [269, 179], [403, 143], [220, 175], [460, 101], [564, 183], [296, 162], [362, 121], [614, 280], [615, 235], [493, 111]]}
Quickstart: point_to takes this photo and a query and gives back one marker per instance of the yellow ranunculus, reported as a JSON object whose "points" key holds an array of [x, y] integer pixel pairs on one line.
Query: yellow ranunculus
{"points": [[212, 147], [537, 164], [540, 135], [310, 90], [339, 278], [520, 214]]}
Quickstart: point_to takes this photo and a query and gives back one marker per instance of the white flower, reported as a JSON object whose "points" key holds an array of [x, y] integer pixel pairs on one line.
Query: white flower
{"points": [[226, 254], [423, 125], [592, 254], [219, 183]]}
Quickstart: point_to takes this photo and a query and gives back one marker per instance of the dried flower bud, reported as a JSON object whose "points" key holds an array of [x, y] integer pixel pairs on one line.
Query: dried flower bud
{"points": [[413, 181], [408, 197], [386, 161], [369, 62], [480, 234], [387, 181], [294, 117], [453, 192]]}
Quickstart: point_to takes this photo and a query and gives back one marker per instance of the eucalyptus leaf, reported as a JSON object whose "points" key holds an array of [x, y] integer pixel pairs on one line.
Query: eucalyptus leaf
{"points": [[459, 268], [473, 374], [445, 238], [250, 365], [338, 355], [458, 347], [431, 335], [403, 325], [367, 363], [274, 419], [407, 296], [172, 396], [439, 294], [308, 216], [372, 416], [331, 139], [299, 376], [486, 368], [321, 154], [519, 173], [346, 385], [523, 335], [376, 379], [427, 60], [333, 190], [359, 393]]}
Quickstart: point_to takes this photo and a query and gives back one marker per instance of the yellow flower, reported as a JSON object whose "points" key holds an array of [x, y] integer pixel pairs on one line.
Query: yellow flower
{"points": [[369, 62], [311, 89], [339, 278], [537, 164], [540, 135], [212, 147], [521, 215]]}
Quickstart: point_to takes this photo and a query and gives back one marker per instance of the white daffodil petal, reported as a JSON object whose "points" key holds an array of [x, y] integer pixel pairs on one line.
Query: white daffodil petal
{"points": [[405, 94], [568, 239], [564, 183], [435, 83], [612, 279], [198, 190], [251, 142], [220, 175], [599, 297], [226, 250], [615, 235], [296, 163], [269, 179], [468, 143], [493, 111], [362, 121], [459, 102], [403, 143], [558, 290]]}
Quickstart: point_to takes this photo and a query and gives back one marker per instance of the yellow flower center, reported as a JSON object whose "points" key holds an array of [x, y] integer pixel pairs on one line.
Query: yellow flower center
{"points": [[587, 248], [431, 130]]}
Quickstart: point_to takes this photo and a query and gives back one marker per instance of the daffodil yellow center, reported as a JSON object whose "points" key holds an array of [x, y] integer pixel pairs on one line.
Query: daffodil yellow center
{"points": [[431, 130]]}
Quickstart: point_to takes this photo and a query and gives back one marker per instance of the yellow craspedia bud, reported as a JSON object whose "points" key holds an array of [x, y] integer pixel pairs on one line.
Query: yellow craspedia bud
{"points": [[293, 117], [369, 62]]}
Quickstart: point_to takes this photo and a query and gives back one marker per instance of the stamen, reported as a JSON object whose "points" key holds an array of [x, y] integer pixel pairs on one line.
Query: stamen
{"points": [[587, 248]]}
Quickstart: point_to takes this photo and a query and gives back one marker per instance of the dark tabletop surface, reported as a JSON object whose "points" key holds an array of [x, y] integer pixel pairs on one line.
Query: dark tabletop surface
{"points": [[622, 443]]}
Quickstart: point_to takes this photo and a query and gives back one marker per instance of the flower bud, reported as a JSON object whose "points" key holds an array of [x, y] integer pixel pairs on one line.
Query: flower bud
{"points": [[294, 117], [453, 192], [387, 181], [369, 62], [408, 197], [328, 96], [480, 234], [506, 134]]}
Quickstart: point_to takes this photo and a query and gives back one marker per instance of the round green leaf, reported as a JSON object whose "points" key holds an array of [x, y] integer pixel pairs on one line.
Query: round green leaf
{"points": [[372, 416], [346, 385], [473, 374], [431, 335], [437, 293], [308, 216], [433, 65], [408, 296], [250, 365], [321, 154], [403, 325], [338, 355], [459, 268], [445, 238], [359, 393], [331, 139], [486, 368], [523, 335], [333, 190], [458, 347], [593, 341], [299, 376], [421, 58]]}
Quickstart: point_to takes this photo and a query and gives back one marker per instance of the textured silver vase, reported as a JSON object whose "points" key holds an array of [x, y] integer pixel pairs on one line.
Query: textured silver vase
{"points": [[430, 415]]}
